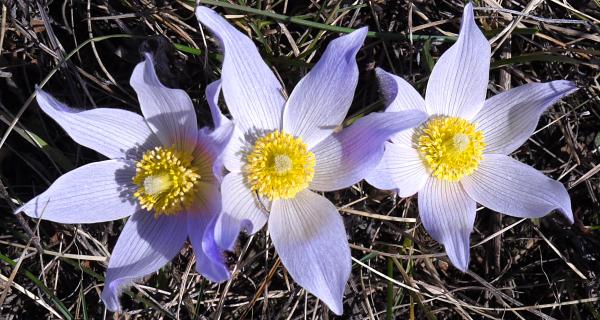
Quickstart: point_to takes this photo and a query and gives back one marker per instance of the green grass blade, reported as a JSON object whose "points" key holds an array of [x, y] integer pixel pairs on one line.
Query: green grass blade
{"points": [[389, 301], [322, 26], [534, 57], [61, 307]]}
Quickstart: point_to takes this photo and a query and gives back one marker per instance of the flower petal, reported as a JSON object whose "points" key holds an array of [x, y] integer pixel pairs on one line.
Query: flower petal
{"points": [[97, 192], [320, 101], [209, 151], [169, 112], [398, 94], [212, 92], [234, 152], [508, 119], [400, 169], [309, 236], [448, 215], [252, 92], [458, 84], [115, 133], [508, 186], [405, 138], [241, 210], [201, 226], [213, 141], [345, 158], [145, 245]]}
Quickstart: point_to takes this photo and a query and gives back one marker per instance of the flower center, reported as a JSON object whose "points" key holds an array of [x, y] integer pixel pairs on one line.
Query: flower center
{"points": [[166, 180], [279, 166], [451, 147]]}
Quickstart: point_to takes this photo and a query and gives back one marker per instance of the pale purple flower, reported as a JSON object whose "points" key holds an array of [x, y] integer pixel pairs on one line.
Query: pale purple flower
{"points": [[459, 156], [163, 172], [282, 149]]}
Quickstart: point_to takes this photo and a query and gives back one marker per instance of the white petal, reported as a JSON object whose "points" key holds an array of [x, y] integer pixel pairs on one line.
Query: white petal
{"points": [[169, 112], [405, 137], [235, 151], [401, 169], [508, 186], [115, 133], [320, 101], [398, 94], [458, 84], [347, 157], [145, 245], [309, 236], [509, 119], [97, 192], [252, 92], [448, 215], [241, 210]]}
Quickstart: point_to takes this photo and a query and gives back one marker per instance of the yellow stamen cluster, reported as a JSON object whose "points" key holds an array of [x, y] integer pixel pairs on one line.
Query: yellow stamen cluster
{"points": [[451, 147], [279, 166], [166, 180]]}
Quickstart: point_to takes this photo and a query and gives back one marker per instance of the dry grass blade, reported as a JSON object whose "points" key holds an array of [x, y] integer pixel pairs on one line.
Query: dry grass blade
{"points": [[32, 296], [83, 52], [572, 266], [378, 216]]}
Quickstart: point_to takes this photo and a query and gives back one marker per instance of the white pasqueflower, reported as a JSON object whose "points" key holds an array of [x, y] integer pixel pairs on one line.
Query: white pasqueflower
{"points": [[163, 171], [281, 150], [458, 157]]}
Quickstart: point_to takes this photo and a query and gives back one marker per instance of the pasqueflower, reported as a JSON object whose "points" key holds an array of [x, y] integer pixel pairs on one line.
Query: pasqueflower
{"points": [[163, 172], [283, 149], [459, 156]]}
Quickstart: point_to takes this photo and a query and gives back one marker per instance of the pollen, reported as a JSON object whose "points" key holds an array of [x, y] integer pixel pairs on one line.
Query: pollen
{"points": [[166, 180], [279, 166], [451, 147]]}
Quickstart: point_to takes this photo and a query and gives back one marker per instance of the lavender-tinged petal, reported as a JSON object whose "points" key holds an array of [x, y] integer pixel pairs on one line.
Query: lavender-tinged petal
{"points": [[448, 215], [210, 259], [320, 101], [209, 155], [398, 94], [201, 226], [309, 236], [169, 112], [115, 133], [345, 158], [145, 245], [508, 186], [401, 169], [380, 179], [97, 192], [458, 84], [212, 92], [252, 92], [509, 119], [216, 140], [212, 142], [241, 210]]}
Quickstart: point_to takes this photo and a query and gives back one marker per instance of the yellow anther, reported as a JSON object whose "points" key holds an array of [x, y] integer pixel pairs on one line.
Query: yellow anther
{"points": [[279, 166], [166, 180], [451, 147]]}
